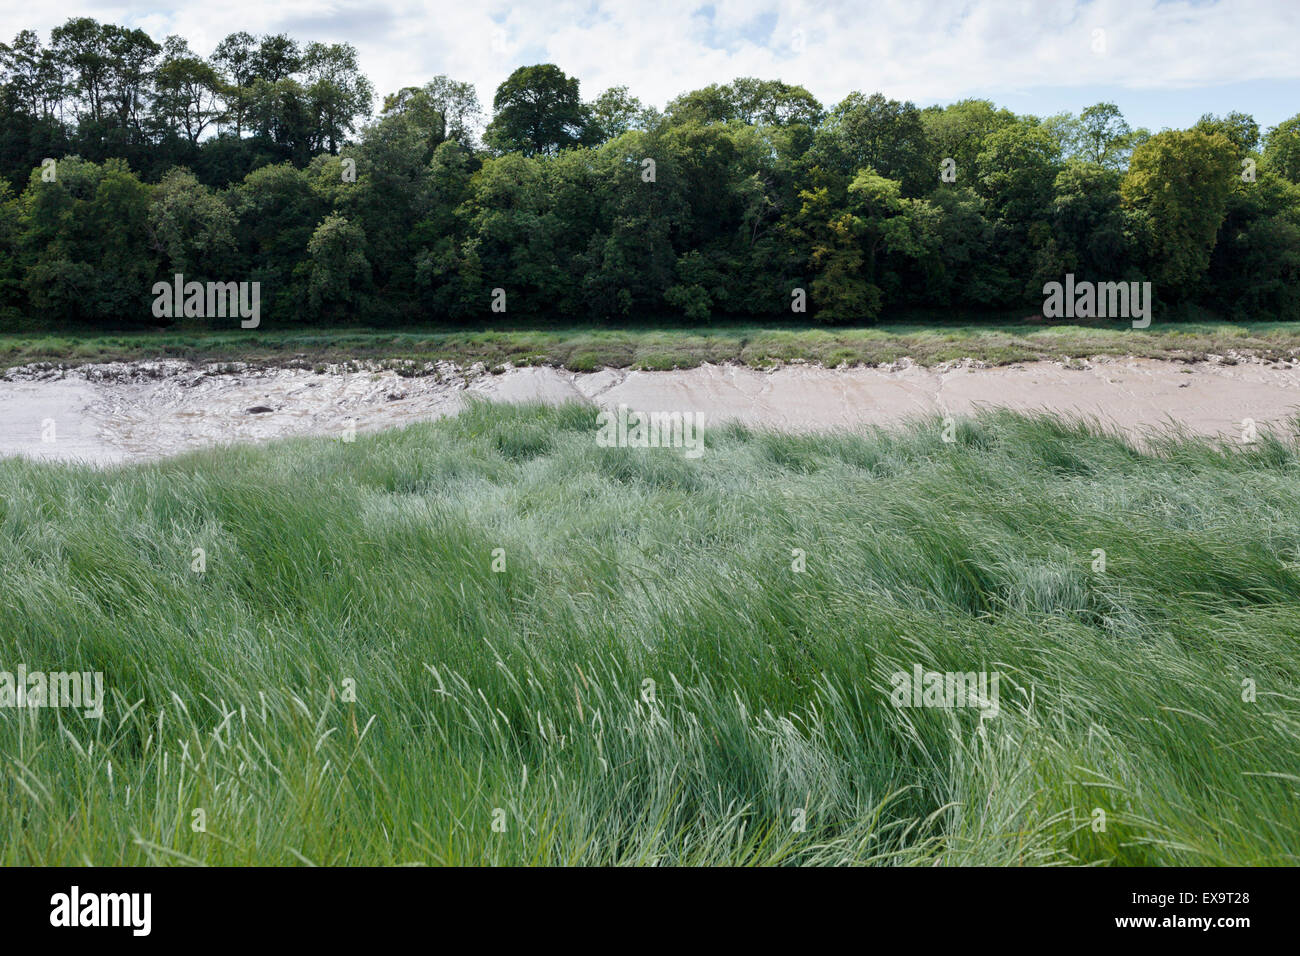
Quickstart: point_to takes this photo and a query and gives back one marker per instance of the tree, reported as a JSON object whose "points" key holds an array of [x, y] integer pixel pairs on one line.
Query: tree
{"points": [[132, 54], [736, 194], [1015, 171], [849, 239], [872, 132], [1100, 135], [1282, 149], [339, 269], [750, 101], [276, 58], [11, 272], [82, 45], [965, 269], [1178, 182], [537, 110], [192, 229], [277, 213], [1240, 129], [32, 90], [957, 132], [393, 192], [1255, 264], [442, 109], [613, 113], [436, 239], [281, 115], [236, 60], [505, 229], [459, 105], [336, 93], [111, 73], [840, 291], [1088, 223], [889, 224], [33, 76], [630, 259], [187, 89], [277, 107], [85, 242]]}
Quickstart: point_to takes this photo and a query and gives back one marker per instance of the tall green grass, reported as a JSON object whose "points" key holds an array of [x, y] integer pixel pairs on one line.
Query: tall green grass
{"points": [[648, 680]]}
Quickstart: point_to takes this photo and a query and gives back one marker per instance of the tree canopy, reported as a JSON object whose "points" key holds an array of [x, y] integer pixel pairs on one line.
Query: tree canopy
{"points": [[124, 160]]}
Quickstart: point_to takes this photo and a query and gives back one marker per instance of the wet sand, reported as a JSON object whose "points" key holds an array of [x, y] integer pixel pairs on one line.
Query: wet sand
{"points": [[113, 413]]}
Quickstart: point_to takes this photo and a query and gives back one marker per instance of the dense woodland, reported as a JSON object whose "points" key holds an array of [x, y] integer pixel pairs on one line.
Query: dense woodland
{"points": [[263, 162]]}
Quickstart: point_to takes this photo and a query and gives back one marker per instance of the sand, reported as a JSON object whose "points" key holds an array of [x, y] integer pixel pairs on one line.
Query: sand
{"points": [[122, 412]]}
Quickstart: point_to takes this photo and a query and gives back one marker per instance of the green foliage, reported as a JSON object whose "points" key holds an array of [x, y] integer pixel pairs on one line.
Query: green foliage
{"points": [[1015, 171], [192, 227], [750, 101], [698, 284], [1100, 136], [1282, 149], [11, 269], [1240, 129], [277, 212], [442, 109], [1088, 224], [186, 91], [719, 207], [339, 269], [613, 113], [537, 110], [874, 132], [1179, 183], [958, 132], [1255, 266], [85, 243]]}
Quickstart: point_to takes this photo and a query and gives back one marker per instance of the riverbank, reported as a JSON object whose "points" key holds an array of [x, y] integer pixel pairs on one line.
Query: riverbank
{"points": [[135, 411]]}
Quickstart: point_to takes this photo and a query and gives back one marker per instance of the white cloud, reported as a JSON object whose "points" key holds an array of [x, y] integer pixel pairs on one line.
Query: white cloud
{"points": [[923, 50]]}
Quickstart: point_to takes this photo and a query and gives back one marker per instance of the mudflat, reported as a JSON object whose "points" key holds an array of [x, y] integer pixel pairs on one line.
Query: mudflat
{"points": [[117, 412]]}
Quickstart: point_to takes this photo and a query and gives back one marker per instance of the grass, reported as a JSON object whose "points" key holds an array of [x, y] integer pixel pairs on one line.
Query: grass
{"points": [[648, 680], [585, 348]]}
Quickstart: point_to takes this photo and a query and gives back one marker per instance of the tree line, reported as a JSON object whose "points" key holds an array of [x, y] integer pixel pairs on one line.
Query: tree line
{"points": [[124, 162]]}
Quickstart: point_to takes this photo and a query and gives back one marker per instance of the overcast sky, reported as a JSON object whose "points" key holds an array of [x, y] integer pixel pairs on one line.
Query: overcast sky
{"points": [[1165, 62]]}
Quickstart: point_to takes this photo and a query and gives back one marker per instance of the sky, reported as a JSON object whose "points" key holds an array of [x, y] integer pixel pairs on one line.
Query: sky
{"points": [[1164, 62]]}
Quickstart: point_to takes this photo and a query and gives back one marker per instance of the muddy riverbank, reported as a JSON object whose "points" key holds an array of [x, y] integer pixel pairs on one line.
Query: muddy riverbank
{"points": [[120, 412]]}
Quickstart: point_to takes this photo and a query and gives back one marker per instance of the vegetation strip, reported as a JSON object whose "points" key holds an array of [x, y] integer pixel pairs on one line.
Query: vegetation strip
{"points": [[585, 348]]}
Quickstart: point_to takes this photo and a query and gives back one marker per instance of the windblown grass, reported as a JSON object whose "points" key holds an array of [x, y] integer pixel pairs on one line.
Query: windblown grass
{"points": [[522, 697]]}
